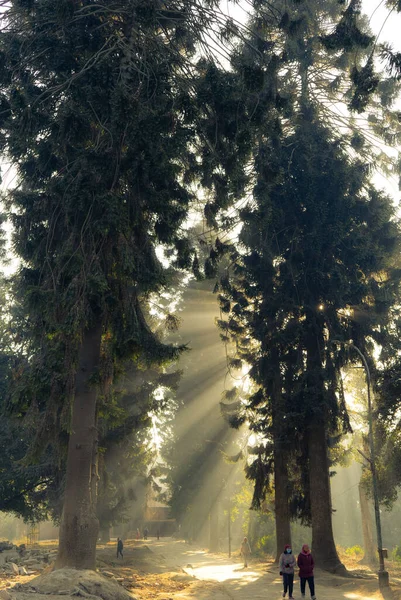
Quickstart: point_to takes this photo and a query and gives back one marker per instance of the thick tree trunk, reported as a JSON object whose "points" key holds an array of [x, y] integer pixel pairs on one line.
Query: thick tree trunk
{"points": [[323, 546], [214, 528], [281, 507], [79, 526], [281, 454], [370, 558]]}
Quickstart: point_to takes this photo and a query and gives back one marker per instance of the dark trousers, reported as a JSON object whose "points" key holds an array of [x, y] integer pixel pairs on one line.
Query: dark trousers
{"points": [[119, 552], [311, 583], [288, 581]]}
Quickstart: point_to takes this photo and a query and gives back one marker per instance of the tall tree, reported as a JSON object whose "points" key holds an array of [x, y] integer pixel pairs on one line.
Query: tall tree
{"points": [[289, 266], [96, 116], [319, 248]]}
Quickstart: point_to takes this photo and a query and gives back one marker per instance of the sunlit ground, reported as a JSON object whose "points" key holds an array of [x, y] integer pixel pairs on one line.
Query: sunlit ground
{"points": [[205, 567], [224, 572], [354, 596]]}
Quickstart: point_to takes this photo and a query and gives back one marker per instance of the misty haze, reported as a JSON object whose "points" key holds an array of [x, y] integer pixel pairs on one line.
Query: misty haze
{"points": [[200, 299]]}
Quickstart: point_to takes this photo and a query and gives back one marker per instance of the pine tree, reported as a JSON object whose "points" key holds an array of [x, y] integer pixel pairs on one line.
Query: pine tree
{"points": [[96, 116], [318, 245]]}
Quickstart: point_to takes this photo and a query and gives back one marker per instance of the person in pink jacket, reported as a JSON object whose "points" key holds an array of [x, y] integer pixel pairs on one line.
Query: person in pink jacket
{"points": [[306, 563]]}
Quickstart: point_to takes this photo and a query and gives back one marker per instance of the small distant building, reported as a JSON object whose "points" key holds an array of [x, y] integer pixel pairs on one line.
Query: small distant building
{"points": [[157, 519]]}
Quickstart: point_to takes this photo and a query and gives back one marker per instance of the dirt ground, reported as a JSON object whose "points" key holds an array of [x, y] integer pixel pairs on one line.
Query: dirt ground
{"points": [[169, 569], [218, 578]]}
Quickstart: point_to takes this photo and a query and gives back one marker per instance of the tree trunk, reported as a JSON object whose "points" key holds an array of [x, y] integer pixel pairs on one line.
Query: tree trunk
{"points": [[323, 546], [79, 525], [281, 454], [105, 534], [370, 557], [281, 507], [252, 530], [214, 528]]}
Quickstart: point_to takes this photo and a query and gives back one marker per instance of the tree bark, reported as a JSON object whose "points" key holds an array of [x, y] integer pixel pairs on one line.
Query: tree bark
{"points": [[323, 546], [370, 556], [79, 525], [214, 528], [281, 454], [281, 507]]}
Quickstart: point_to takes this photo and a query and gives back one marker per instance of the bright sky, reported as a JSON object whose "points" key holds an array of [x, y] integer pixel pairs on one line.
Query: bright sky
{"points": [[387, 26]]}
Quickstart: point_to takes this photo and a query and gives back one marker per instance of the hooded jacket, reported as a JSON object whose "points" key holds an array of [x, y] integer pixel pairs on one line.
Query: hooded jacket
{"points": [[287, 562], [305, 563]]}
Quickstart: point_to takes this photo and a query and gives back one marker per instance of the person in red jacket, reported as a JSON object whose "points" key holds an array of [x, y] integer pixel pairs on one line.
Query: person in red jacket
{"points": [[306, 563]]}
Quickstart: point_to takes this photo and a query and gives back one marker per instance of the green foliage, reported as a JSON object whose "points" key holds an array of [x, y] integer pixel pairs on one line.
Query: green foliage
{"points": [[347, 34], [266, 544], [100, 120], [102, 155], [396, 553], [366, 82], [355, 552], [318, 247]]}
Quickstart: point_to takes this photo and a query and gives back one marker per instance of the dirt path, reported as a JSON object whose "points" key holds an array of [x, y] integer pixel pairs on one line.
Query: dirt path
{"points": [[219, 578]]}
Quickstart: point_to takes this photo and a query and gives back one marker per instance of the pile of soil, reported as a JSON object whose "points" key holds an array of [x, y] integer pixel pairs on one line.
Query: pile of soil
{"points": [[70, 584]]}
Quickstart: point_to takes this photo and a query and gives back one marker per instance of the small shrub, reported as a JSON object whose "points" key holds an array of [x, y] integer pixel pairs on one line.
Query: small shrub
{"points": [[266, 544], [396, 553], [354, 552]]}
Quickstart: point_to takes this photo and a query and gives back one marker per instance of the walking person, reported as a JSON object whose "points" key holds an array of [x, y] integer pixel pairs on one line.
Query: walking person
{"points": [[120, 548], [245, 551], [306, 563], [287, 563]]}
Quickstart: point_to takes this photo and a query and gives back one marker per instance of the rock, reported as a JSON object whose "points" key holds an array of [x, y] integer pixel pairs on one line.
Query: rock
{"points": [[107, 574], [36, 567], [189, 566], [5, 595], [6, 546], [23, 571], [14, 568]]}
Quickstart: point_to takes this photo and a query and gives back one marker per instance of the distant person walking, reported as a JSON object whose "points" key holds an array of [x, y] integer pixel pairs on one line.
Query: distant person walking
{"points": [[306, 563], [287, 563], [245, 551], [145, 533], [120, 548]]}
